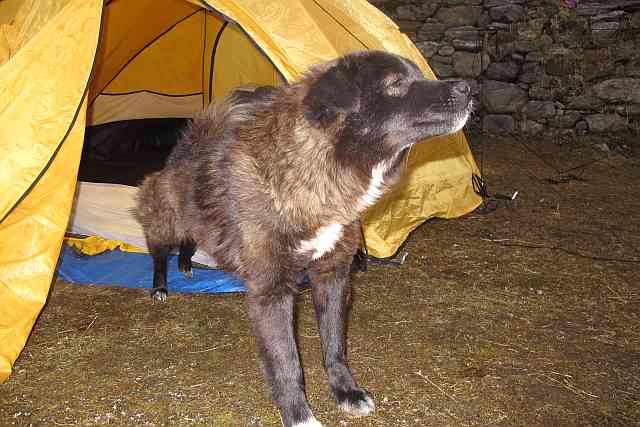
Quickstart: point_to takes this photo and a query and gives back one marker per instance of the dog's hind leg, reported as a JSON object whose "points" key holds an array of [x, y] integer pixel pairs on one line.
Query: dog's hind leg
{"points": [[331, 293], [187, 250], [160, 255], [272, 316]]}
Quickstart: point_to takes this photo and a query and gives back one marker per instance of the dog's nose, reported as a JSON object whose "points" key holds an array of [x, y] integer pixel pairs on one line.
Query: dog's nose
{"points": [[461, 88]]}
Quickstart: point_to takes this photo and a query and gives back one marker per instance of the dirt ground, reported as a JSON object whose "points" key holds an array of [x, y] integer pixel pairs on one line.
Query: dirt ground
{"points": [[526, 316]]}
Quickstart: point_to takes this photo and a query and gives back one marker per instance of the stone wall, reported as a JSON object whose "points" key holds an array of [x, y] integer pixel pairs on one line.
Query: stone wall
{"points": [[564, 67]]}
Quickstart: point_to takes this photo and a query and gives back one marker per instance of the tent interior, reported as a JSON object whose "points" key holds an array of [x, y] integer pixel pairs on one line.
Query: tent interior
{"points": [[95, 95]]}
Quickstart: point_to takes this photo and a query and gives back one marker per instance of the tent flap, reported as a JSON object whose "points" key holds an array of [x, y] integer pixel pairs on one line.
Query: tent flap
{"points": [[42, 113]]}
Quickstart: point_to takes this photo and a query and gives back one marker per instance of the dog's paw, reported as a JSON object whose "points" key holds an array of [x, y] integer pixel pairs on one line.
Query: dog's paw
{"points": [[356, 402], [311, 422], [188, 273], [159, 294], [184, 266]]}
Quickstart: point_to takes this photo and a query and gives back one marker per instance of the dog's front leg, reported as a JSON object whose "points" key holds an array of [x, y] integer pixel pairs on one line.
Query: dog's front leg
{"points": [[272, 317], [331, 298]]}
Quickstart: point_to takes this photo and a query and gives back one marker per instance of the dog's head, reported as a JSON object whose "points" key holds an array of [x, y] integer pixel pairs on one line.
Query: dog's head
{"points": [[378, 102]]}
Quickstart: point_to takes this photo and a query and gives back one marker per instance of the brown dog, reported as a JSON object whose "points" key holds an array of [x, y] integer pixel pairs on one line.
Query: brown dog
{"points": [[272, 182]]}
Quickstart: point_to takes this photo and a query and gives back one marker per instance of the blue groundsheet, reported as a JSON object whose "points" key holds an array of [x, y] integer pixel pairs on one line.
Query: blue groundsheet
{"points": [[134, 270]]}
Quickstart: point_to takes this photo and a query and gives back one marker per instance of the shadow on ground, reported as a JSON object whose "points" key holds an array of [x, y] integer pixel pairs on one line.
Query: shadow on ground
{"points": [[528, 316]]}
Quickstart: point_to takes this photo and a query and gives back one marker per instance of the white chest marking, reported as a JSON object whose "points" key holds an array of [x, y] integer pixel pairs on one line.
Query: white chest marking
{"points": [[374, 191], [323, 242]]}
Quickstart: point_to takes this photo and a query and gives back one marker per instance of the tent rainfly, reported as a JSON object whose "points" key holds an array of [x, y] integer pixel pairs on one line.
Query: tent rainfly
{"points": [[69, 64]]}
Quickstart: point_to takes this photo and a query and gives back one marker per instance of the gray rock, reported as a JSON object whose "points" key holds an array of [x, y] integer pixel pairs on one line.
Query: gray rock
{"points": [[417, 13], [534, 57], [468, 64], [628, 110], [606, 123], [539, 110], [634, 21], [517, 57], [531, 127], [484, 20], [446, 50], [502, 27], [619, 90], [531, 72], [498, 124], [541, 91], [615, 15], [507, 13], [495, 3], [604, 30], [526, 45], [442, 59], [593, 8], [566, 120], [408, 26], [459, 16], [561, 66], [501, 97], [428, 49], [467, 45], [585, 103], [505, 71], [463, 33], [432, 30]]}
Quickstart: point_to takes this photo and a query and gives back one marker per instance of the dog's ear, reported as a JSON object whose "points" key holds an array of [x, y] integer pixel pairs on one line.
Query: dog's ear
{"points": [[331, 94]]}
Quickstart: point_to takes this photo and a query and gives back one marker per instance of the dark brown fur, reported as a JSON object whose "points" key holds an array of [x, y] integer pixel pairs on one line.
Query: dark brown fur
{"points": [[263, 171]]}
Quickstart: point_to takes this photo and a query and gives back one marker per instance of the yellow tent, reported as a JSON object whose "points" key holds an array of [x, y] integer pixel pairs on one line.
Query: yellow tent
{"points": [[68, 64]]}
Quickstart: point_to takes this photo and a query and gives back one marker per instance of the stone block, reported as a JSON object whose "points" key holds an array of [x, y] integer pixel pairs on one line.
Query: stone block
{"points": [[539, 110], [505, 71], [459, 16], [619, 90], [428, 49], [432, 30], [507, 13], [566, 120], [501, 97], [600, 123], [468, 64]]}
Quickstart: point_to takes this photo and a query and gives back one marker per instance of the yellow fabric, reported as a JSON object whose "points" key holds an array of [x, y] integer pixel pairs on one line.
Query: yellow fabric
{"points": [[161, 50], [42, 88], [94, 245], [239, 63], [141, 105], [129, 27], [435, 184], [174, 74]]}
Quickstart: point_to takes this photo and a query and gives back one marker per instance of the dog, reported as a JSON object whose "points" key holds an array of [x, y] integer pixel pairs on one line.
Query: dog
{"points": [[272, 181]]}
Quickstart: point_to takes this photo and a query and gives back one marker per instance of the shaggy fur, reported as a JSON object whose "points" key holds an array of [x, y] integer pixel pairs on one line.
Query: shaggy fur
{"points": [[271, 182]]}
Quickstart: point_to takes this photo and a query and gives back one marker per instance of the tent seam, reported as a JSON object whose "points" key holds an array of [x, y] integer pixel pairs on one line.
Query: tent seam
{"points": [[133, 92]]}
